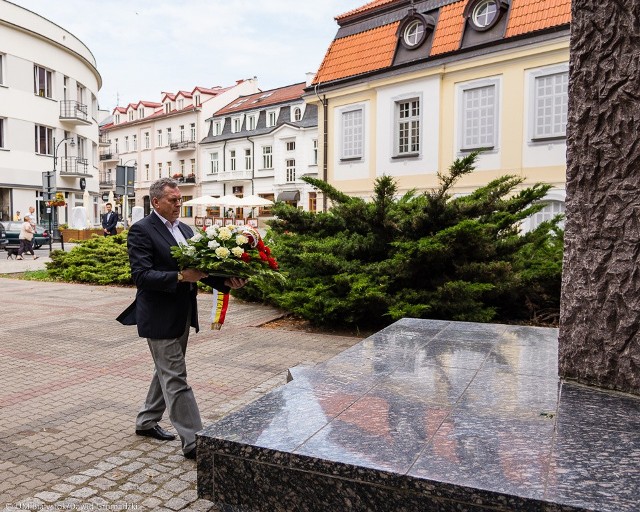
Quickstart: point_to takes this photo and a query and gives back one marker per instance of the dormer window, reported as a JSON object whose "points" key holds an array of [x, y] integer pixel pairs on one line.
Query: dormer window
{"points": [[180, 104], [297, 114], [117, 118], [196, 100], [486, 13], [217, 128], [130, 115], [272, 117], [415, 29], [237, 124], [251, 122], [167, 108], [414, 33], [141, 113]]}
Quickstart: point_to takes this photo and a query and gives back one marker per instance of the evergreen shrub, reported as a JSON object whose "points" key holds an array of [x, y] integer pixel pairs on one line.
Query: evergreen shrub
{"points": [[99, 260], [430, 255]]}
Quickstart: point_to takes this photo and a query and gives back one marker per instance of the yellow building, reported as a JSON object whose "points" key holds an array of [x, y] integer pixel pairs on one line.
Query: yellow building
{"points": [[407, 87]]}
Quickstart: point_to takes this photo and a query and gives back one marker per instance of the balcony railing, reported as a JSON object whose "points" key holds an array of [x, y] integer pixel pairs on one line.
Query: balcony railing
{"points": [[183, 145], [74, 112], [104, 141], [232, 175], [106, 156], [74, 166]]}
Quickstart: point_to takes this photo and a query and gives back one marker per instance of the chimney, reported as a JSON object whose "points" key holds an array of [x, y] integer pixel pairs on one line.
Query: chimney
{"points": [[310, 76]]}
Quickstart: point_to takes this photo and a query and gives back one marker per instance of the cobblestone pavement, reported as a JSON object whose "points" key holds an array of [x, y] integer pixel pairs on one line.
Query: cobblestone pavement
{"points": [[72, 380]]}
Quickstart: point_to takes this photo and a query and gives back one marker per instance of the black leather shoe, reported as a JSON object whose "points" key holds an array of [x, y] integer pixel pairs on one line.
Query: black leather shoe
{"points": [[157, 433], [191, 454]]}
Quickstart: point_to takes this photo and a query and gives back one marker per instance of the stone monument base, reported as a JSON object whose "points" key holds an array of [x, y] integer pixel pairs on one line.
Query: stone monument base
{"points": [[429, 415]]}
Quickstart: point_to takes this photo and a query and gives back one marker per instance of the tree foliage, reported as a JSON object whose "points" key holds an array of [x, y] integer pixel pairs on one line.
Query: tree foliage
{"points": [[429, 255]]}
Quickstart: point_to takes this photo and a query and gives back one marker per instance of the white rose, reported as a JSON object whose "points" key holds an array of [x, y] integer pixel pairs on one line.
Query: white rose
{"points": [[241, 240], [213, 244], [222, 253], [190, 251], [196, 238], [237, 251], [224, 233], [212, 231]]}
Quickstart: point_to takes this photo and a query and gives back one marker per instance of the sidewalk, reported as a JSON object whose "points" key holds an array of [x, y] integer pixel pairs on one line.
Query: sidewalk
{"points": [[13, 266], [73, 380]]}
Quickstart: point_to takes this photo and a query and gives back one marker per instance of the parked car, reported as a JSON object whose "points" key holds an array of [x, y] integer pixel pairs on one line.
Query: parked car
{"points": [[3, 236], [12, 230]]}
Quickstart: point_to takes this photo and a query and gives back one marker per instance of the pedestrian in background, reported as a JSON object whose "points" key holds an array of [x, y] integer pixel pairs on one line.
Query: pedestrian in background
{"points": [[25, 237], [16, 217], [109, 221]]}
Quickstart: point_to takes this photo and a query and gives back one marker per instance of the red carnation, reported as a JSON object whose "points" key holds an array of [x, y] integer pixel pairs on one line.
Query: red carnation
{"points": [[267, 250], [273, 263], [260, 246], [263, 256], [245, 257]]}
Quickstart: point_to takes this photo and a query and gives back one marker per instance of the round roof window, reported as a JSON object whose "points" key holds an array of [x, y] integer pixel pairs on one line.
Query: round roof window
{"points": [[485, 14], [414, 33]]}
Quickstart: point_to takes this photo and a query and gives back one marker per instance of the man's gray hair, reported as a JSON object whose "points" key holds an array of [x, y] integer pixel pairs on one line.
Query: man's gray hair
{"points": [[156, 190]]}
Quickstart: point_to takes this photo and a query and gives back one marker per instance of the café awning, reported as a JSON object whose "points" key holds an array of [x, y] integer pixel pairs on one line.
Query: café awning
{"points": [[289, 195]]}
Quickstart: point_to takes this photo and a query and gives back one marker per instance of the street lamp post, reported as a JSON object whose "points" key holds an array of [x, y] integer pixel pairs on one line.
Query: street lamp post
{"points": [[53, 210]]}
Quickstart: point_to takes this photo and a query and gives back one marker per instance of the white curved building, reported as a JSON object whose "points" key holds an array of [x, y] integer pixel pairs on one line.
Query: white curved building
{"points": [[48, 112]]}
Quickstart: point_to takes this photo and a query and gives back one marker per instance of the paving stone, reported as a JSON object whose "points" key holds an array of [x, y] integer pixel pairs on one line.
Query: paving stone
{"points": [[175, 503], [48, 496], [84, 492], [75, 409]]}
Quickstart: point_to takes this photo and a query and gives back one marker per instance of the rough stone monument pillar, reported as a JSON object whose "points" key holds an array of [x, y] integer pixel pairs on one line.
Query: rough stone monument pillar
{"points": [[600, 311]]}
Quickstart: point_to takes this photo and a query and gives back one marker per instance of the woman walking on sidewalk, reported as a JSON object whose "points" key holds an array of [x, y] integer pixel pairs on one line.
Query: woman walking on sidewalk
{"points": [[26, 236]]}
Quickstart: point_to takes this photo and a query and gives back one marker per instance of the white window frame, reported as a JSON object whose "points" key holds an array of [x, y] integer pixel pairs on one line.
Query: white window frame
{"points": [[314, 158], [135, 142], [168, 136], [147, 140], [159, 139], [48, 149], [47, 91], [182, 132], [215, 163], [352, 132], [248, 160], [404, 126], [2, 132], [232, 160], [492, 130], [2, 61], [296, 113], [561, 70], [236, 124], [192, 128], [159, 170], [126, 144], [290, 169], [290, 145], [217, 128], [146, 171], [251, 122], [267, 157], [196, 100], [130, 115], [272, 118]]}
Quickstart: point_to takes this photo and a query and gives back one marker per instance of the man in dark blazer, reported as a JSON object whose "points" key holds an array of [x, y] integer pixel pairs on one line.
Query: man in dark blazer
{"points": [[164, 310], [109, 221]]}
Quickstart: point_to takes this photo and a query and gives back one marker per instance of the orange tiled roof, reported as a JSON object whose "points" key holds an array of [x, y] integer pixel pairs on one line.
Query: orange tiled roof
{"points": [[374, 49], [370, 6], [448, 32], [262, 99], [359, 53], [529, 16]]}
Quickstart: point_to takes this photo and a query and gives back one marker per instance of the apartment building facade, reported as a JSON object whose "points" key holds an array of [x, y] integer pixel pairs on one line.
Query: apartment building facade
{"points": [[407, 87], [48, 115], [160, 139], [262, 144]]}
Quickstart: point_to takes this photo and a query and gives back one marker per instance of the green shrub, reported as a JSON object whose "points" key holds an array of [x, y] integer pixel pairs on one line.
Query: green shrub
{"points": [[99, 260], [428, 255]]}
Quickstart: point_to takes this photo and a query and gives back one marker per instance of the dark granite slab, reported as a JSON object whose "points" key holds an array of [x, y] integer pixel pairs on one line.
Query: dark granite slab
{"points": [[429, 415]]}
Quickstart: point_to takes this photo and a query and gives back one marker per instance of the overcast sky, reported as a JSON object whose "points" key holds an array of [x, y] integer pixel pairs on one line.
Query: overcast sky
{"points": [[144, 47]]}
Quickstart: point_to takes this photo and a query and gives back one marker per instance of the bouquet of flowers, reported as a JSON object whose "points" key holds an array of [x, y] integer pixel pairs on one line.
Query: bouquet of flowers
{"points": [[227, 251]]}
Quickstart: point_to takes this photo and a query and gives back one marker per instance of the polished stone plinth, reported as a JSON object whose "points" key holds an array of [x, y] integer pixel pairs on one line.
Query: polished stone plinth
{"points": [[429, 415]]}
